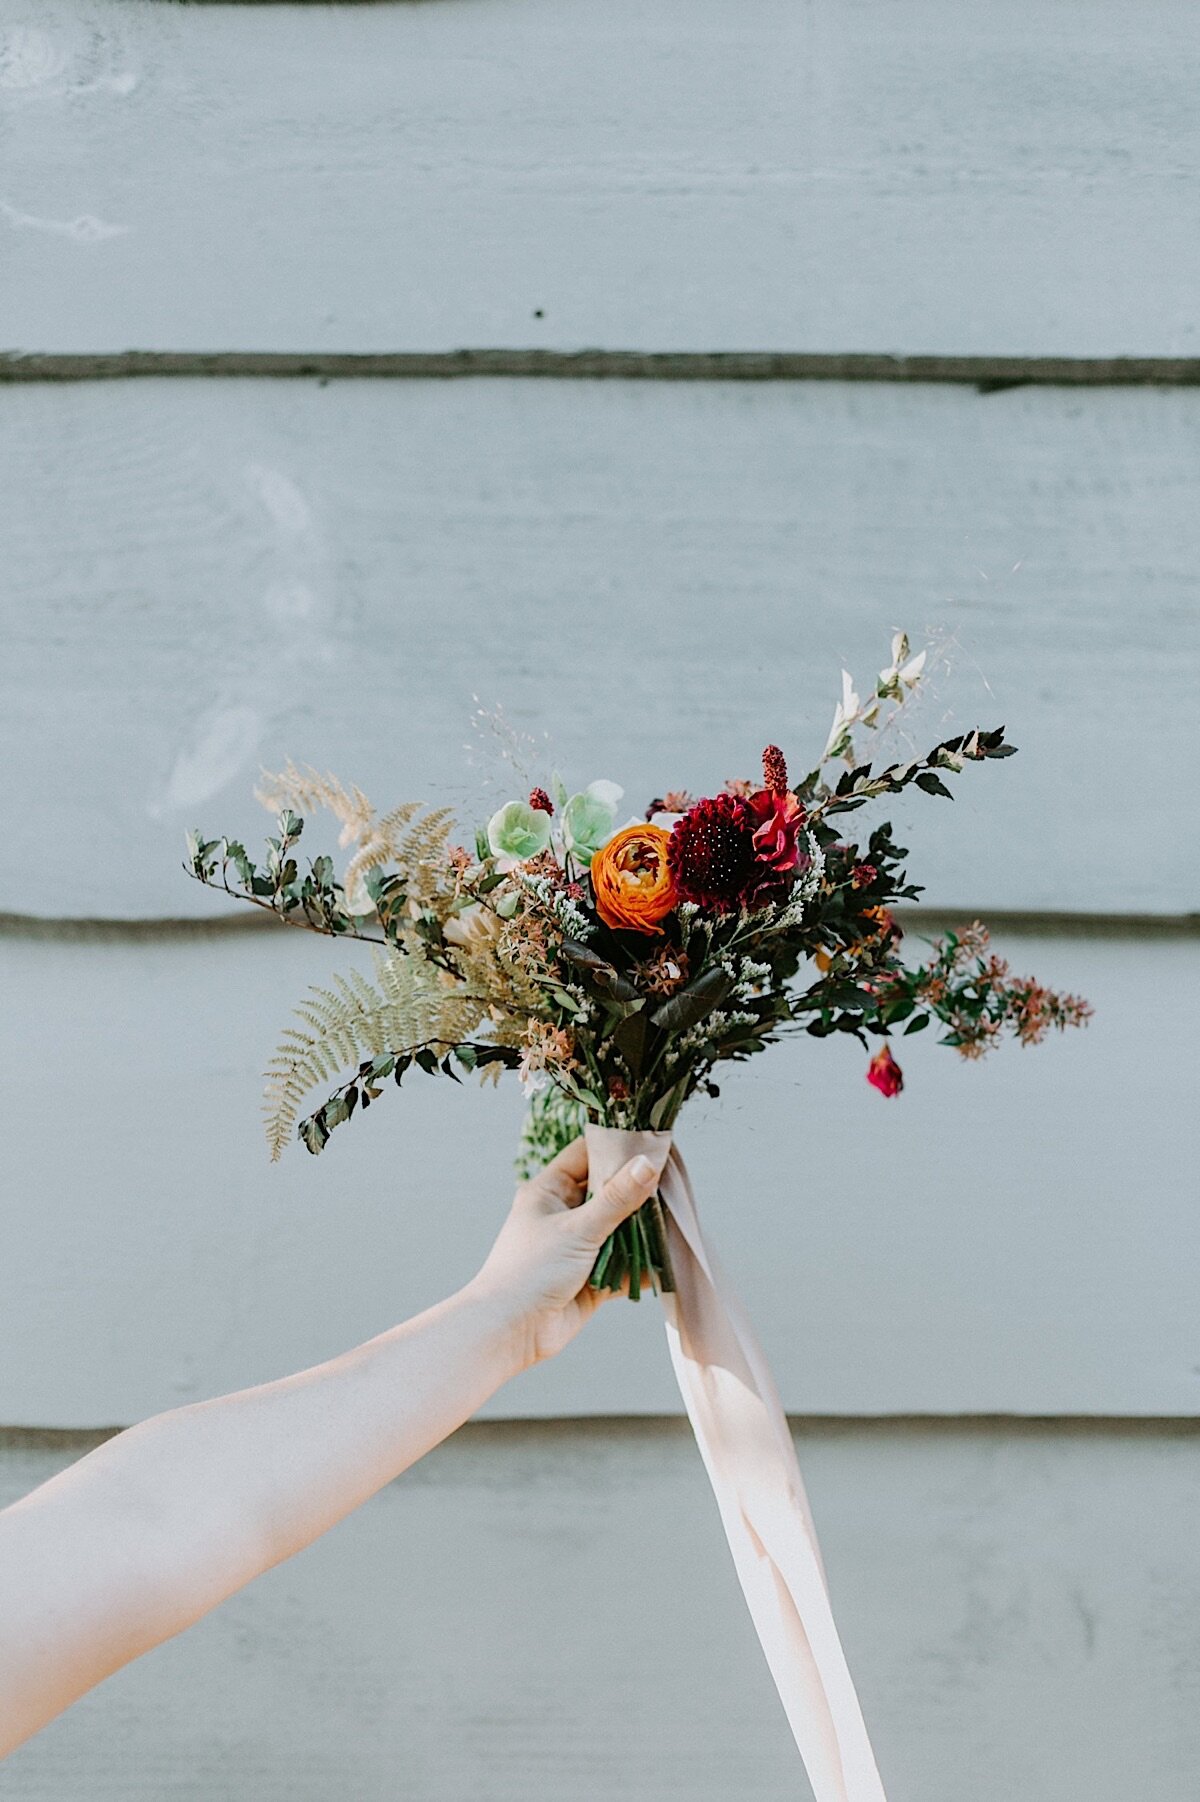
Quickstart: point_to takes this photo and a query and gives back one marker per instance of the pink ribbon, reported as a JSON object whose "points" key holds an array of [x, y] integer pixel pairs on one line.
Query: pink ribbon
{"points": [[748, 1453]]}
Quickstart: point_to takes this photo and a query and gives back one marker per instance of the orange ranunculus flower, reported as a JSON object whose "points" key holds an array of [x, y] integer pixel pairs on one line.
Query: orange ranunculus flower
{"points": [[632, 881]]}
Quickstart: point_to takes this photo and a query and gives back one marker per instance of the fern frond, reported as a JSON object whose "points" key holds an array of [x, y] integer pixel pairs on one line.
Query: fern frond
{"points": [[421, 852], [303, 790], [411, 1004], [414, 841], [379, 844]]}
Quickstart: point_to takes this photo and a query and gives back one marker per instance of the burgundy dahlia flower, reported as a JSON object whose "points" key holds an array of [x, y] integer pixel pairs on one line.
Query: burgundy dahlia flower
{"points": [[711, 853]]}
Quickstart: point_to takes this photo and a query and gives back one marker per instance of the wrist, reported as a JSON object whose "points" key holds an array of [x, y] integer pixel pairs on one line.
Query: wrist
{"points": [[503, 1322]]}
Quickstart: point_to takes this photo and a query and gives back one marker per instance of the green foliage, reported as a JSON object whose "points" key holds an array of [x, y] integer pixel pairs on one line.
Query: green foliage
{"points": [[856, 786], [552, 1121], [486, 966]]}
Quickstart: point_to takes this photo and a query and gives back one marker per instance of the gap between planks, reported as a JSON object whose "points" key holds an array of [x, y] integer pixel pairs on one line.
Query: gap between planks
{"points": [[988, 374], [1010, 923], [655, 1426]]}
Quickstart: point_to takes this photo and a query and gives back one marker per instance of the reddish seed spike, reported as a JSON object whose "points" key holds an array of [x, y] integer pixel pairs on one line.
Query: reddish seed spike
{"points": [[540, 801], [774, 770]]}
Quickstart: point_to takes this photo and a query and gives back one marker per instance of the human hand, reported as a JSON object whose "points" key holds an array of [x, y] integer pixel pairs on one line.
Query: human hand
{"points": [[545, 1250]]}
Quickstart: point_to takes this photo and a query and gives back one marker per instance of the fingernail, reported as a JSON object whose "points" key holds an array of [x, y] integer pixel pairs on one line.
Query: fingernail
{"points": [[643, 1169]]}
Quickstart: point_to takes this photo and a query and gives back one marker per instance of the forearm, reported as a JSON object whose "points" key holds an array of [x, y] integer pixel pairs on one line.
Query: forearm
{"points": [[279, 1464], [156, 1527]]}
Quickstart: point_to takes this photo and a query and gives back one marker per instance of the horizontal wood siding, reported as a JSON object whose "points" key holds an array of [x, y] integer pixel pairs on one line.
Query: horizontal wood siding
{"points": [[653, 579], [537, 1613], [1020, 1237], [692, 175]]}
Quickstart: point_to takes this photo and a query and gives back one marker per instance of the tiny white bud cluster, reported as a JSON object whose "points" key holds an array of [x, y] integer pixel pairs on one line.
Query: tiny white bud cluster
{"points": [[710, 1031], [574, 922], [806, 887]]}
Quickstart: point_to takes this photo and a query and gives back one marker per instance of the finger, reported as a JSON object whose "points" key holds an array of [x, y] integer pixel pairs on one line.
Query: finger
{"points": [[633, 1184], [563, 1177], [571, 1161]]}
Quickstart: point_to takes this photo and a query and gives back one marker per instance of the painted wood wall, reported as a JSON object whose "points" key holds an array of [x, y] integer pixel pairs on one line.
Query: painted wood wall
{"points": [[1014, 1629], [651, 576], [687, 176], [254, 556]]}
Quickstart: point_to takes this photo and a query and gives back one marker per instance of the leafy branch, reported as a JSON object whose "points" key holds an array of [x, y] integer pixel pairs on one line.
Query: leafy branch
{"points": [[856, 786], [313, 898], [366, 1085]]}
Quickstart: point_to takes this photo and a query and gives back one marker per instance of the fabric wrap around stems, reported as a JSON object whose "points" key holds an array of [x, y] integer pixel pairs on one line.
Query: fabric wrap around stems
{"points": [[748, 1453]]}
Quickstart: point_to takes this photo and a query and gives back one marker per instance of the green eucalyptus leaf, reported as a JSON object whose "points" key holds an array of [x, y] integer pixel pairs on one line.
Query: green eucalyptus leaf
{"points": [[313, 1135]]}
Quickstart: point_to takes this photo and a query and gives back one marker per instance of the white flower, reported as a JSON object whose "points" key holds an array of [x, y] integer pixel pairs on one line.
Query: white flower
{"points": [[476, 928], [846, 711]]}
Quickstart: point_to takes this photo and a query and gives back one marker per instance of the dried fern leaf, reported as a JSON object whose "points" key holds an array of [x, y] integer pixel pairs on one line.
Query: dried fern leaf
{"points": [[409, 1005], [305, 789]]}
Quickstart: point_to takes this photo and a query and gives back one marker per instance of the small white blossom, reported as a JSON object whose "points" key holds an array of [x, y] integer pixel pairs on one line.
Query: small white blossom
{"points": [[569, 915]]}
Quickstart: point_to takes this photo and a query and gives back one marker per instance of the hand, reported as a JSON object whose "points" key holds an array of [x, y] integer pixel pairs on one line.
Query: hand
{"points": [[545, 1250]]}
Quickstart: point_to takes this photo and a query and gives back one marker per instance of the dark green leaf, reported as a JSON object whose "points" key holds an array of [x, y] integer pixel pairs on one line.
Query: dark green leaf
{"points": [[313, 1135], [611, 982], [630, 1041], [690, 1005], [578, 953]]}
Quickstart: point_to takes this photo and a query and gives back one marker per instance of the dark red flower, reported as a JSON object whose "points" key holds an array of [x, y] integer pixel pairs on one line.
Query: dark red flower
{"points": [[863, 875], [540, 801], [884, 1073], [711, 853], [778, 817]]}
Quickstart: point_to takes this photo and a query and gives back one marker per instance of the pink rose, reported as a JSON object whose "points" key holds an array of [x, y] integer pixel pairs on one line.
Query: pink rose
{"points": [[779, 818]]}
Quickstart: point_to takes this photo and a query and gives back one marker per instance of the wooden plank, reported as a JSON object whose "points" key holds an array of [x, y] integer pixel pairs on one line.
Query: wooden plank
{"points": [[204, 576], [698, 176], [536, 1613], [1020, 1237]]}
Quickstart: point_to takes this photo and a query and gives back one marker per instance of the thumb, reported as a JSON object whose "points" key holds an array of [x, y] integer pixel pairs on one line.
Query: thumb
{"points": [[633, 1184]]}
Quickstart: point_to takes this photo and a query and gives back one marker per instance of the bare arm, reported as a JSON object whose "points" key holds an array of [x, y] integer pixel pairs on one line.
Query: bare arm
{"points": [[147, 1533]]}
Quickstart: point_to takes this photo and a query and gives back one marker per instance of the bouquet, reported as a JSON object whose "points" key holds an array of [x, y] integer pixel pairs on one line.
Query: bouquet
{"points": [[616, 966]]}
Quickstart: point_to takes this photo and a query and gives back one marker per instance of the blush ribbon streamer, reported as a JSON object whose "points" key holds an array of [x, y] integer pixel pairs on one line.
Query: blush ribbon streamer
{"points": [[747, 1448]]}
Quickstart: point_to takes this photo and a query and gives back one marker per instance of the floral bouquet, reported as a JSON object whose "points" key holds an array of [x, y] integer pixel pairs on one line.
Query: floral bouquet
{"points": [[614, 967]]}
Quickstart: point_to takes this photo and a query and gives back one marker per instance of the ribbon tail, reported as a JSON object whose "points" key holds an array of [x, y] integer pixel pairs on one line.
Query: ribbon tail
{"points": [[747, 1449]]}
